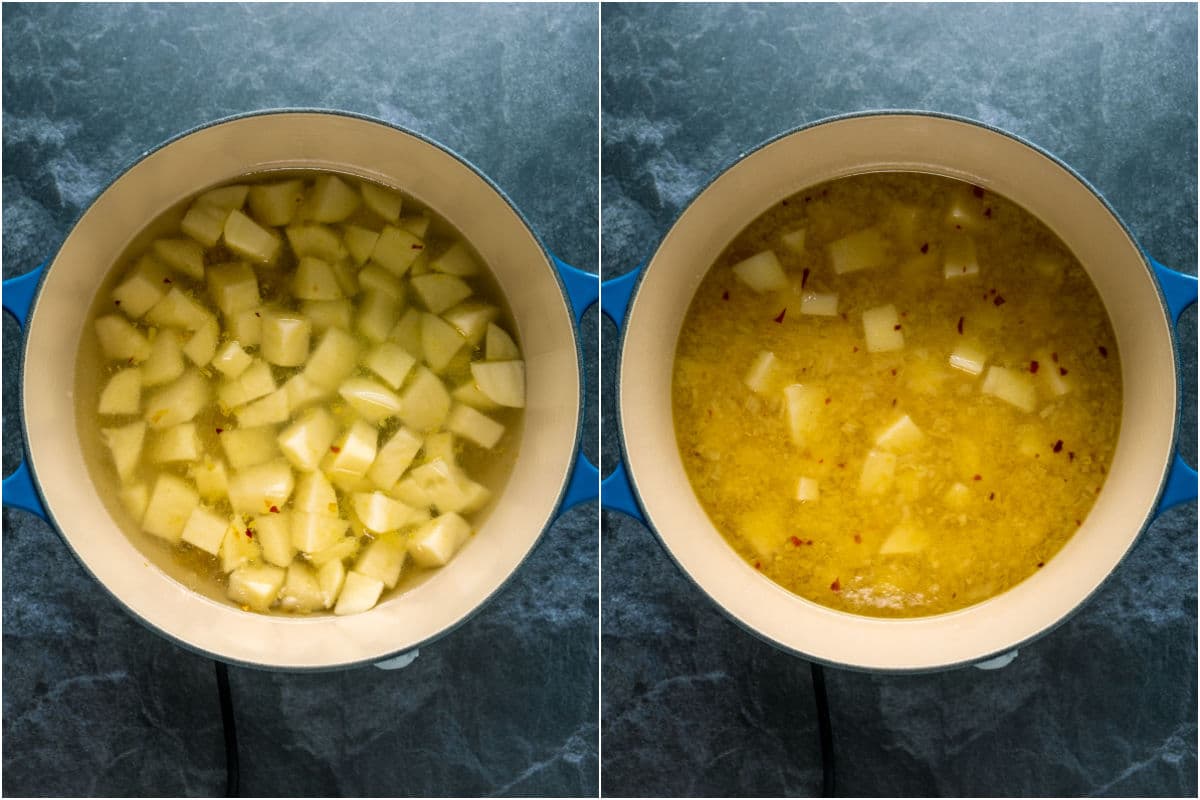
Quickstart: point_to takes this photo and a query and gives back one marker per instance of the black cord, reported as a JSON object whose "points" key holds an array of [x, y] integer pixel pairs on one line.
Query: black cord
{"points": [[227, 724], [825, 729]]}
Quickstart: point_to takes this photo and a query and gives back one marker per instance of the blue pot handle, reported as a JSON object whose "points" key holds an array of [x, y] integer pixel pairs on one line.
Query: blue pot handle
{"points": [[19, 489], [583, 290], [1180, 292], [616, 491]]}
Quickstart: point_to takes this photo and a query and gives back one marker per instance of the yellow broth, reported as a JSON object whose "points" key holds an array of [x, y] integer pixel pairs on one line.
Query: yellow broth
{"points": [[922, 493]]}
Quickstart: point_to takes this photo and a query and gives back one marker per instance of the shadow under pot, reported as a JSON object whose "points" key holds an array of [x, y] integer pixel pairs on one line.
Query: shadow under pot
{"points": [[729, 554], [69, 477]]}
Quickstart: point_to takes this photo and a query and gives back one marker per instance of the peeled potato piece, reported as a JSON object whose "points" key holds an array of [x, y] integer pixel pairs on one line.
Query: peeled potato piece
{"points": [[503, 382]]}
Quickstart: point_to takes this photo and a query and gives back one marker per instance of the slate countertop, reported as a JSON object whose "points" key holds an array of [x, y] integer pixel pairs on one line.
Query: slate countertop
{"points": [[96, 704], [1104, 705]]}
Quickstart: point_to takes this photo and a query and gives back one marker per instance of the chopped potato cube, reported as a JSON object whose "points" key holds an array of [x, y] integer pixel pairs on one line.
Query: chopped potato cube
{"points": [[820, 305], [762, 272], [285, 339], [456, 260], [306, 441], [383, 560], [1011, 386], [248, 239], [122, 394], [331, 199], [881, 326], [391, 362], [255, 489], [866, 249], [172, 502], [474, 426], [179, 443], [761, 375], [182, 255], [968, 357], [179, 401], [396, 250], [436, 542], [125, 446], [233, 287], [393, 458], [901, 436], [439, 292], [120, 341], [145, 285], [275, 204], [205, 529], [256, 585], [424, 403], [878, 471], [359, 594]]}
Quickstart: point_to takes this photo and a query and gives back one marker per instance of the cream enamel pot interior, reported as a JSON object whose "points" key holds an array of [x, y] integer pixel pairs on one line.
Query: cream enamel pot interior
{"points": [[913, 142], [356, 146]]}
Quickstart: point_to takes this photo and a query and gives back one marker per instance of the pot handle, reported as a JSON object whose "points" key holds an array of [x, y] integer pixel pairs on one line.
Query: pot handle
{"points": [[616, 490], [19, 489], [583, 291], [1180, 292]]}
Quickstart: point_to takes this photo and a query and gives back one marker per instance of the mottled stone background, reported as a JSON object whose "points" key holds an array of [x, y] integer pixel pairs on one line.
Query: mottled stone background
{"points": [[1106, 704], [96, 704]]}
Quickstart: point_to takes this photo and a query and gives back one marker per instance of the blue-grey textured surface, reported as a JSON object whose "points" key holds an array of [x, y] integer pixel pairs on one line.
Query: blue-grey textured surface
{"points": [[1106, 704], [96, 704]]}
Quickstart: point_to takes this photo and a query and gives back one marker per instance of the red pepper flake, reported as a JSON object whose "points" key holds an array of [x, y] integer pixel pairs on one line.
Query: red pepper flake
{"points": [[220, 430], [335, 448], [991, 495], [999, 300], [1078, 523], [855, 349], [925, 247], [758, 565], [1062, 370], [1103, 350], [166, 280], [992, 290], [797, 541], [725, 295], [987, 212], [842, 465], [418, 247], [836, 585], [274, 509], [1058, 446], [257, 314], [894, 402], [785, 202], [828, 400], [1033, 367], [1070, 455], [116, 302], [857, 538], [808, 198], [1041, 564], [977, 478], [960, 323], [804, 277], [977, 191], [781, 315], [249, 533], [1054, 357], [808, 542], [896, 327], [893, 370], [843, 316]]}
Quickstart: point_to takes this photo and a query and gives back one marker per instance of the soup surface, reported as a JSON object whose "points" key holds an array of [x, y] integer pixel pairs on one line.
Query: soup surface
{"points": [[302, 393], [896, 394]]}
